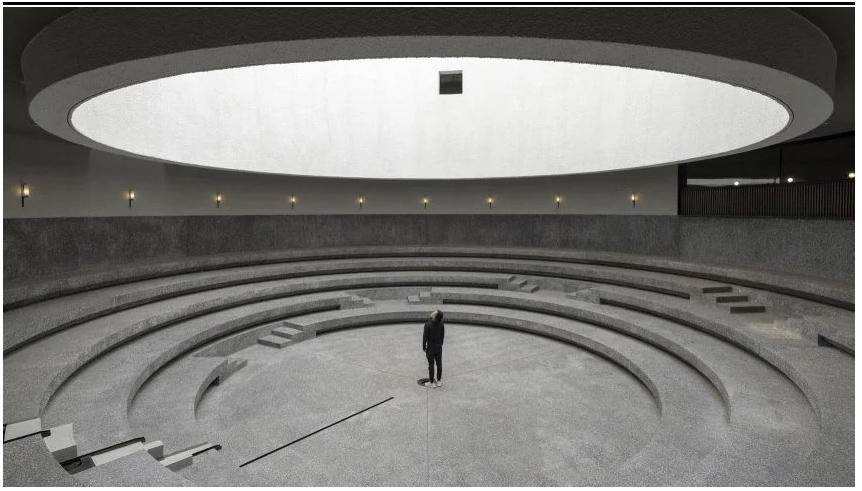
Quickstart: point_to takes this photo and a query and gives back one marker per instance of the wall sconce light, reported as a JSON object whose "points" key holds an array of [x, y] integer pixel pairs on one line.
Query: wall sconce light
{"points": [[25, 193], [292, 201], [490, 202], [361, 200], [131, 197], [736, 183], [559, 199], [789, 179], [425, 202], [218, 200], [851, 175], [634, 199]]}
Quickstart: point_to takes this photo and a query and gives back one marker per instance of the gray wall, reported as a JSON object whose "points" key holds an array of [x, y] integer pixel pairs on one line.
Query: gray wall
{"points": [[35, 247], [68, 180]]}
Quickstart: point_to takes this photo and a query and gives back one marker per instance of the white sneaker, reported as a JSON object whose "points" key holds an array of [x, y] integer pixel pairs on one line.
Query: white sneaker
{"points": [[429, 384], [439, 383]]}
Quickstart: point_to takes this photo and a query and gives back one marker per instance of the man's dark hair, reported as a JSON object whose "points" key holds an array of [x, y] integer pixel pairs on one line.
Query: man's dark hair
{"points": [[438, 316]]}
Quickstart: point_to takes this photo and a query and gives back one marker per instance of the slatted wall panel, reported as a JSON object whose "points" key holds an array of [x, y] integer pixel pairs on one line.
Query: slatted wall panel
{"points": [[808, 200]]}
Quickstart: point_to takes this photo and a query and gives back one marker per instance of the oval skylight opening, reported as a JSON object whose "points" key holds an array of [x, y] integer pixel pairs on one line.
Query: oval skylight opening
{"points": [[386, 118]]}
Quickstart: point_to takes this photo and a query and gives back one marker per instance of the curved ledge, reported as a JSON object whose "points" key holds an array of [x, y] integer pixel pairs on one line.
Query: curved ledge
{"points": [[829, 292], [730, 45]]}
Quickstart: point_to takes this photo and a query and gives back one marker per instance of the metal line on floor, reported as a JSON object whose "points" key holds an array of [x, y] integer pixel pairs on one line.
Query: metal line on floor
{"points": [[315, 432]]}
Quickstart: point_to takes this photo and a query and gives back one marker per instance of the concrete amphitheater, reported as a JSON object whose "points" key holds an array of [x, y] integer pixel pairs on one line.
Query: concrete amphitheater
{"points": [[172, 323], [629, 370]]}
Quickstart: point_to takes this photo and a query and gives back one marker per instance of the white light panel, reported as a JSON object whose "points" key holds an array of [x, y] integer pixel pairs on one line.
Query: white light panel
{"points": [[385, 118]]}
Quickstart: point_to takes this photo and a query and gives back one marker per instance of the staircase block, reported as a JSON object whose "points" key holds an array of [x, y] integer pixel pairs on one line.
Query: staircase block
{"points": [[289, 333], [61, 443], [21, 428], [178, 460], [155, 448], [274, 341]]}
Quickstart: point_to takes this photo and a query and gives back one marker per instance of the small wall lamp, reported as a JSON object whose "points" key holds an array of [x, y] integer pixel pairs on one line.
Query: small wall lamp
{"points": [[490, 202], [292, 201], [25, 193], [789, 179], [361, 200], [218, 200], [736, 183], [851, 175], [634, 199], [559, 199], [425, 202], [131, 197]]}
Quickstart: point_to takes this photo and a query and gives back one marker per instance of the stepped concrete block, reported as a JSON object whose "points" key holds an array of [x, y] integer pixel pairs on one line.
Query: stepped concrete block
{"points": [[716, 289], [731, 298], [289, 333], [155, 448], [747, 309], [61, 443], [21, 428], [178, 460], [412, 298], [529, 288], [274, 341], [104, 458]]}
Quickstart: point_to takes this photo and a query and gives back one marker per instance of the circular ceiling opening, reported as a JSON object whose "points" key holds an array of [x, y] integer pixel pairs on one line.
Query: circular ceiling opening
{"points": [[387, 118]]}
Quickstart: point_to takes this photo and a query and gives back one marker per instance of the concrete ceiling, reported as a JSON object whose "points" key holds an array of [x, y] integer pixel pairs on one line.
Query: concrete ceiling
{"points": [[21, 24]]}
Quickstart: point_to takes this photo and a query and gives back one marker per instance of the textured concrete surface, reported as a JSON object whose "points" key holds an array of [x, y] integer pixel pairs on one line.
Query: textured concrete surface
{"points": [[27, 462], [138, 469], [743, 399], [35, 247], [33, 321], [400, 442], [823, 248]]}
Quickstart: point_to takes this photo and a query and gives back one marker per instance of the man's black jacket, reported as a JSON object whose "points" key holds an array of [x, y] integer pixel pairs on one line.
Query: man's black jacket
{"points": [[432, 338]]}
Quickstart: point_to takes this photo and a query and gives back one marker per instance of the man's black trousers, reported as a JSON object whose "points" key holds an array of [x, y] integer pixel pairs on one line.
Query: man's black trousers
{"points": [[432, 357]]}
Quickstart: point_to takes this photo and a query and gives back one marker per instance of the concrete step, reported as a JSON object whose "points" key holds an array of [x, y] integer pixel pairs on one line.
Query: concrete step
{"points": [[716, 289], [274, 341], [178, 460], [744, 308], [61, 443], [413, 299], [529, 288], [288, 332], [731, 298]]}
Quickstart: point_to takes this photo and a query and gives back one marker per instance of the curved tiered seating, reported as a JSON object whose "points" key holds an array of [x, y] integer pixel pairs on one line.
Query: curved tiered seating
{"points": [[113, 352]]}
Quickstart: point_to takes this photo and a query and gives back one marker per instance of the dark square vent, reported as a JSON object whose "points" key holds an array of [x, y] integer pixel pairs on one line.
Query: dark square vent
{"points": [[451, 82]]}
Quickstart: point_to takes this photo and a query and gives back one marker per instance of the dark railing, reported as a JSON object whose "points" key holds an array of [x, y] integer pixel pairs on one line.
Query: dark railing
{"points": [[803, 200]]}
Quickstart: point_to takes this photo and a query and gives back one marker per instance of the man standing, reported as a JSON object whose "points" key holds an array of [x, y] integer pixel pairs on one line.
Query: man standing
{"points": [[432, 345]]}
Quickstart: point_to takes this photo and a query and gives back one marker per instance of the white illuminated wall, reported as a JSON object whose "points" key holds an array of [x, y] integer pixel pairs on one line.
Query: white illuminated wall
{"points": [[71, 181]]}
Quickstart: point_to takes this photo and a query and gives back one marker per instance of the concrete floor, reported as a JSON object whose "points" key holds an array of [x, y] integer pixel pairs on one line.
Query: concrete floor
{"points": [[515, 410]]}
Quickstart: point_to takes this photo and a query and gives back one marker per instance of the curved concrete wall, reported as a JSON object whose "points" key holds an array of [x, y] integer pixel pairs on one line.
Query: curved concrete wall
{"points": [[36, 247], [68, 180]]}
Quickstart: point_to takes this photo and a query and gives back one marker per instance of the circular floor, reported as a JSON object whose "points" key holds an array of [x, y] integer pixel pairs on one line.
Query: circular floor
{"points": [[516, 409]]}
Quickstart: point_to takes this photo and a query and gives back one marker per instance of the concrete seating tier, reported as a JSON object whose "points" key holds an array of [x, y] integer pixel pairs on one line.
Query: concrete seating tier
{"points": [[692, 417], [172, 394], [754, 390], [821, 290], [29, 323], [750, 398], [26, 324]]}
